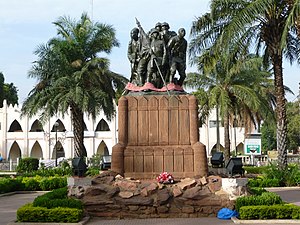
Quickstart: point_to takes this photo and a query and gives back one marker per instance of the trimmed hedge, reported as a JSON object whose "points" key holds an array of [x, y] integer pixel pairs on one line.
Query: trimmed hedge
{"points": [[28, 213], [287, 211], [266, 198], [27, 165], [256, 190], [9, 185], [51, 183], [264, 182], [54, 206], [36, 183], [57, 198], [59, 193], [255, 170]]}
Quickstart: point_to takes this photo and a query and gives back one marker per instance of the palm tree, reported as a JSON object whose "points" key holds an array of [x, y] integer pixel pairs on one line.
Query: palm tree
{"points": [[269, 26], [72, 77], [234, 87]]}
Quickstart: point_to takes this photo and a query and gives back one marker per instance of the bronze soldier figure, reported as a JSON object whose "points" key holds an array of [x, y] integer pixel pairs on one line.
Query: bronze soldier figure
{"points": [[178, 47], [133, 55]]}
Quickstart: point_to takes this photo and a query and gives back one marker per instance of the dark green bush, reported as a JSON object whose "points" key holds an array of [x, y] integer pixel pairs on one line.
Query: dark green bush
{"points": [[92, 171], [54, 203], [31, 183], [286, 211], [28, 165], [57, 198], [64, 170], [263, 182], [10, 184], [289, 176], [51, 183], [266, 198], [59, 193], [28, 213], [256, 190], [255, 169]]}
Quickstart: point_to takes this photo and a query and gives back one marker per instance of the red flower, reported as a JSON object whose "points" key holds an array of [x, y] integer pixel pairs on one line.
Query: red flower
{"points": [[165, 178]]}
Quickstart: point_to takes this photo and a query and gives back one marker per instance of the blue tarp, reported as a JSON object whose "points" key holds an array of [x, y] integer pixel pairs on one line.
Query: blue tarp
{"points": [[226, 214]]}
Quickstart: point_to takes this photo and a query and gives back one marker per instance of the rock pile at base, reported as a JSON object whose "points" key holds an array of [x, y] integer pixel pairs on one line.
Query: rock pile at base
{"points": [[111, 195]]}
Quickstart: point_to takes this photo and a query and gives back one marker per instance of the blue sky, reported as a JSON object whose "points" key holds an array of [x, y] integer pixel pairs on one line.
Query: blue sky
{"points": [[26, 24]]}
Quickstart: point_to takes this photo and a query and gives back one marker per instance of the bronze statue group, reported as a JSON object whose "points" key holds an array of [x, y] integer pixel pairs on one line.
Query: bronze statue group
{"points": [[156, 56]]}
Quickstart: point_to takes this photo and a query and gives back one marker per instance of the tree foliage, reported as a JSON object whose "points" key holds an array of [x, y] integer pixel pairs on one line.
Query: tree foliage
{"points": [[71, 75], [237, 88], [270, 27], [8, 92]]}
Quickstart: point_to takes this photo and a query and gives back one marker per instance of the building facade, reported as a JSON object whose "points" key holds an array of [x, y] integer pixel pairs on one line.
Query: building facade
{"points": [[28, 137]]}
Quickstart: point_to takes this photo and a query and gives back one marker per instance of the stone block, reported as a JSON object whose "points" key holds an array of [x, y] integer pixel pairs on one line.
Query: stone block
{"points": [[186, 183], [125, 194], [79, 181], [188, 209]]}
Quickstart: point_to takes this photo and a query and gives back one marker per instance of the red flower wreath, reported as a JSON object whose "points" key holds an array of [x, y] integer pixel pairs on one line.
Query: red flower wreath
{"points": [[165, 178]]}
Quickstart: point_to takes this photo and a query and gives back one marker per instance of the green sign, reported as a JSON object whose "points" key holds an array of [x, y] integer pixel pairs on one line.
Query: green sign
{"points": [[253, 149]]}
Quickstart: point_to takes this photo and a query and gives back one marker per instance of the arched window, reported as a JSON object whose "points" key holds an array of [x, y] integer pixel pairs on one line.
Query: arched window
{"points": [[36, 126], [36, 151], [15, 152], [15, 127], [58, 126], [102, 149], [102, 126]]}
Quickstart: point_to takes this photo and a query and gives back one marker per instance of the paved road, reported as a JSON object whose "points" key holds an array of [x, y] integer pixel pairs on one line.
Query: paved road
{"points": [[10, 203], [288, 194], [175, 221]]}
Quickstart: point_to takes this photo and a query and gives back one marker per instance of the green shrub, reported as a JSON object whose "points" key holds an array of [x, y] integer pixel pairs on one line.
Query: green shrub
{"points": [[51, 183], [264, 182], [28, 213], [287, 177], [54, 203], [59, 193], [10, 184], [256, 190], [27, 165], [255, 170], [266, 198], [57, 198], [286, 211], [32, 183], [92, 171], [64, 170]]}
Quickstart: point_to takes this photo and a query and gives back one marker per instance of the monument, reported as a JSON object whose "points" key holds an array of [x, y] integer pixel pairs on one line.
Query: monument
{"points": [[157, 120]]}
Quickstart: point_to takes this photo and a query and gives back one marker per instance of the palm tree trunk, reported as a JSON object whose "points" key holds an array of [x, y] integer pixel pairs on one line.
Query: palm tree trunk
{"points": [[218, 128], [78, 130], [280, 112], [226, 138]]}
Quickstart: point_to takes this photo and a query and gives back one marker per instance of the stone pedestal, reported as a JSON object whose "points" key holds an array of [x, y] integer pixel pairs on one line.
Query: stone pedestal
{"points": [[79, 181], [235, 187], [158, 133]]}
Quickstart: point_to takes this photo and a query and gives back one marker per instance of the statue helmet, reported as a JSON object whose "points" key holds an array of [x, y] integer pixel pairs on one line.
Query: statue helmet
{"points": [[153, 30], [158, 24], [135, 30], [165, 24]]}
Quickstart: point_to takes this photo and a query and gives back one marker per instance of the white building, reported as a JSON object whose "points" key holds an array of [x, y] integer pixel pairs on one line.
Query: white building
{"points": [[27, 137], [208, 135]]}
